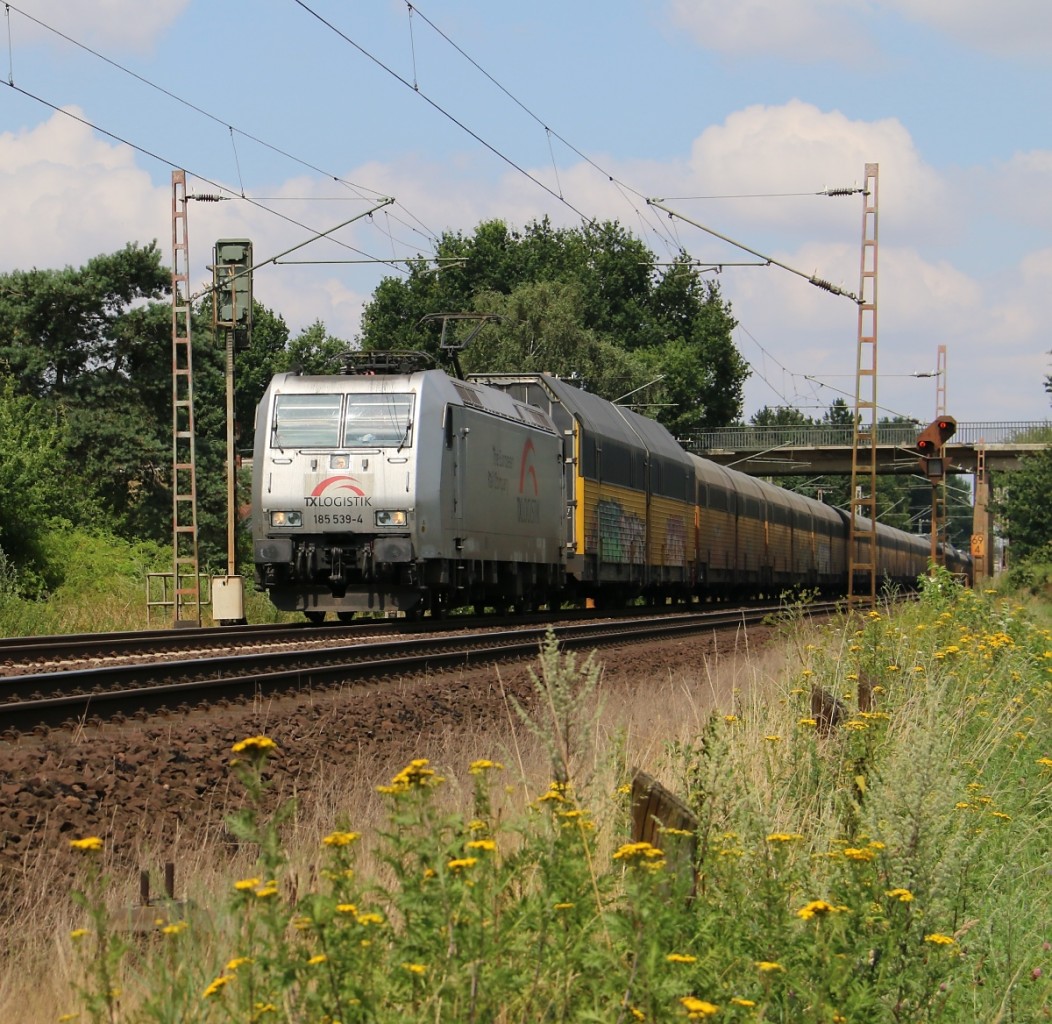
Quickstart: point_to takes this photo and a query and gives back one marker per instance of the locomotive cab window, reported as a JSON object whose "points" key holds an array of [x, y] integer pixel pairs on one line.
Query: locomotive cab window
{"points": [[379, 420], [306, 421]]}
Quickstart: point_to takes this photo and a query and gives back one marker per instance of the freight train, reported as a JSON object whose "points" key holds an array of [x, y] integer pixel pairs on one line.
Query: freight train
{"points": [[396, 486]]}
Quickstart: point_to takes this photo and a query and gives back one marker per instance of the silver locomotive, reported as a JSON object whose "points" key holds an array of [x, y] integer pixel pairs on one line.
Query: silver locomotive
{"points": [[396, 487]]}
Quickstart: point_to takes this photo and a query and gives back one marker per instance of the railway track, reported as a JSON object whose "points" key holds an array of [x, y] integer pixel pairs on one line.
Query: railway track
{"points": [[67, 698]]}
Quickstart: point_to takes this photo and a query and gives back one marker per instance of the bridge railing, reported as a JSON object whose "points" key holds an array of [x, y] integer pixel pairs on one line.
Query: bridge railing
{"points": [[825, 435]]}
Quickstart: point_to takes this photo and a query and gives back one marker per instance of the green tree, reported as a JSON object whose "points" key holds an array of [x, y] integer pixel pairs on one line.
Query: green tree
{"points": [[35, 481], [541, 329], [60, 327], [90, 345], [1024, 512], [674, 325]]}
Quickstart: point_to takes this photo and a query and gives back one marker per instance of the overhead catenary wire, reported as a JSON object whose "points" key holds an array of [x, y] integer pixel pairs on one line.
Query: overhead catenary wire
{"points": [[437, 106], [362, 192], [173, 164], [818, 282], [627, 191]]}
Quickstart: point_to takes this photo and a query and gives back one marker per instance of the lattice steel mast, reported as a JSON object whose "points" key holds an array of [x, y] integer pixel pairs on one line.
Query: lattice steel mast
{"points": [[862, 536], [186, 590]]}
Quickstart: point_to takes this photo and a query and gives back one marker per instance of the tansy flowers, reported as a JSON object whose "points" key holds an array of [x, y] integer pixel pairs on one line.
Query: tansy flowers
{"points": [[88, 844]]}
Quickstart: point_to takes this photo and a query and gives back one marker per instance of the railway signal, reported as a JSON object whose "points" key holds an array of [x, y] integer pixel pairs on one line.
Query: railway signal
{"points": [[232, 288], [933, 463]]}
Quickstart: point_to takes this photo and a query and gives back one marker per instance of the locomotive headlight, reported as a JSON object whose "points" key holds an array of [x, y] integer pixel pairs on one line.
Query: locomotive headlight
{"points": [[286, 518], [391, 517]]}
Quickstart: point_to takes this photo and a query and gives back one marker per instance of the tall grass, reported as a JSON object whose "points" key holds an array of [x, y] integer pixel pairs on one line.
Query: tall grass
{"points": [[888, 862], [98, 584]]}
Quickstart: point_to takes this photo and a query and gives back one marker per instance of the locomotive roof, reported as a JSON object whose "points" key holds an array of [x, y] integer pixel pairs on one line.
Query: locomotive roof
{"points": [[425, 382], [596, 414]]}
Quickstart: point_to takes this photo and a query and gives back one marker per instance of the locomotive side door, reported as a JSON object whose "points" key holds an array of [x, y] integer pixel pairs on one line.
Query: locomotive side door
{"points": [[456, 442], [570, 456]]}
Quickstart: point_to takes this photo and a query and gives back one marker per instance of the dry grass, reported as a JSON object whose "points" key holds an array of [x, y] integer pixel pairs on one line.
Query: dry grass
{"points": [[632, 728]]}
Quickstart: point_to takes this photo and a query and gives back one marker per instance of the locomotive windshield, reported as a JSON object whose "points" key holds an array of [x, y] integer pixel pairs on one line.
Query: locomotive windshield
{"points": [[321, 421]]}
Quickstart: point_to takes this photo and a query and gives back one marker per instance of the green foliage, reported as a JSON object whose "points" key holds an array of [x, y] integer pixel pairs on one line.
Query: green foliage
{"points": [[587, 301], [1025, 512], [62, 326], [33, 481], [567, 707], [541, 330]]}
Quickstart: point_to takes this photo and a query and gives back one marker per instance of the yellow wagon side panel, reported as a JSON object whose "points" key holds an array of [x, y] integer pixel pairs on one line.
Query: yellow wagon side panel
{"points": [[614, 523], [671, 522]]}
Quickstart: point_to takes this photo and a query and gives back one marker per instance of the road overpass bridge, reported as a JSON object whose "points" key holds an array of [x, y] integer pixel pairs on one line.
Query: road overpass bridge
{"points": [[825, 449]]}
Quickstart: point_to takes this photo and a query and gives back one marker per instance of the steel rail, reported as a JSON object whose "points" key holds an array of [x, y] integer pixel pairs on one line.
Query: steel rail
{"points": [[144, 688]]}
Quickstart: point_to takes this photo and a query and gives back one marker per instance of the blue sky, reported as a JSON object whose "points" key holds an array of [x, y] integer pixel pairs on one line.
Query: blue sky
{"points": [[736, 113]]}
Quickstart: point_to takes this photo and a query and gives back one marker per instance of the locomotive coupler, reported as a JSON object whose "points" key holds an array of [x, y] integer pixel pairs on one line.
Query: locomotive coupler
{"points": [[336, 576]]}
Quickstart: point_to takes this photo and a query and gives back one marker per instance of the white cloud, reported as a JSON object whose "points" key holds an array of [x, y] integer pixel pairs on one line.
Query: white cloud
{"points": [[66, 196], [797, 148], [844, 30], [803, 30], [1020, 28], [121, 24]]}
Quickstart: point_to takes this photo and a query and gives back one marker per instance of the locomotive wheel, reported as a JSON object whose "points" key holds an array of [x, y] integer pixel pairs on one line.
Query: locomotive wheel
{"points": [[316, 617]]}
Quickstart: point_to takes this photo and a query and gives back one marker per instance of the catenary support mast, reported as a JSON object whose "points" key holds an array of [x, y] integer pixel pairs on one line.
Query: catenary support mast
{"points": [[862, 537], [186, 590]]}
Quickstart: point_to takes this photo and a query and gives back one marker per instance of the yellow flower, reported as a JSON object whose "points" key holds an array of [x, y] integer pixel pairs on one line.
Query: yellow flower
{"points": [[67, 1017], [370, 919], [902, 895], [681, 958], [415, 775], [266, 891], [216, 985], [175, 928], [88, 843], [563, 906], [459, 863], [939, 940], [637, 853], [346, 908], [483, 765], [78, 933], [738, 1001], [238, 961], [415, 968], [783, 837], [318, 958], [772, 738], [731, 719], [254, 745], [858, 854], [817, 908], [481, 844], [807, 722], [698, 1008], [247, 883], [767, 966], [340, 838]]}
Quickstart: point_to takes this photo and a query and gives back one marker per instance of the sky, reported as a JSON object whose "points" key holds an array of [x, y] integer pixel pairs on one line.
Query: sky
{"points": [[737, 116]]}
